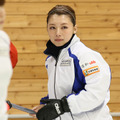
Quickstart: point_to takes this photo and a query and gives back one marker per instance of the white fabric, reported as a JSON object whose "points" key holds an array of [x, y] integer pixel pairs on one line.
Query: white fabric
{"points": [[5, 72], [88, 104]]}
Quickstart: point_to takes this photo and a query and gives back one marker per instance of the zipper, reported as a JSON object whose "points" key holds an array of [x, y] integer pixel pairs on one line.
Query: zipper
{"points": [[55, 74], [55, 83], [55, 80], [55, 90]]}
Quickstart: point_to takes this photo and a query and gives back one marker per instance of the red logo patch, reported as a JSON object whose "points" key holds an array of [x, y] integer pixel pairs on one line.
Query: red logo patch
{"points": [[92, 62]]}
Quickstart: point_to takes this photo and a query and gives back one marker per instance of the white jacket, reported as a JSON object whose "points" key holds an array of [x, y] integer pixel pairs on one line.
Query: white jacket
{"points": [[5, 72], [84, 77]]}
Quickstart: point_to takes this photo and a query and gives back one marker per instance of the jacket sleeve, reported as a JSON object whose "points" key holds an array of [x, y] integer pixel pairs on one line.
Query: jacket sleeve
{"points": [[96, 91], [46, 97]]}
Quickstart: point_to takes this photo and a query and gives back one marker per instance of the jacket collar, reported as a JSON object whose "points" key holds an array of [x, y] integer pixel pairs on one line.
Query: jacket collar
{"points": [[55, 51]]}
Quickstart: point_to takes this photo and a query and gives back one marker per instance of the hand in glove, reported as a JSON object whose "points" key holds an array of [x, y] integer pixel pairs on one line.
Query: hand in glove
{"points": [[53, 109]]}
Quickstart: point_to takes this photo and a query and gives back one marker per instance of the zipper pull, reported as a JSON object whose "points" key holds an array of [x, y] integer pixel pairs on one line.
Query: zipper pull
{"points": [[56, 61]]}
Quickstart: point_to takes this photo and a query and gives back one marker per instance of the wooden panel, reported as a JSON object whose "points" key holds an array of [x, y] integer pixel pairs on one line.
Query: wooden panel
{"points": [[97, 21], [31, 59], [41, 85], [36, 59], [27, 33], [83, 33], [103, 46], [115, 84], [112, 58], [115, 97], [115, 71], [114, 107], [99, 33], [100, 46], [80, 8], [30, 8], [30, 46], [25, 21], [82, 21], [22, 98], [28, 85], [41, 73], [19, 1], [30, 72], [116, 118], [39, 1]]}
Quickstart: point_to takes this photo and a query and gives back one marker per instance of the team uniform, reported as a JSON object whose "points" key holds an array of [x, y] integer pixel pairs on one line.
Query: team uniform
{"points": [[84, 77], [5, 72]]}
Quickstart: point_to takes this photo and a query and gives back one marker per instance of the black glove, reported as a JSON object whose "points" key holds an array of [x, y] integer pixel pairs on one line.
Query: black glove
{"points": [[9, 103], [53, 108]]}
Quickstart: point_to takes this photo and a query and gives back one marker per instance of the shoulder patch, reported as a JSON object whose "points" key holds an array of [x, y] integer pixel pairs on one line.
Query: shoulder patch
{"points": [[91, 71]]}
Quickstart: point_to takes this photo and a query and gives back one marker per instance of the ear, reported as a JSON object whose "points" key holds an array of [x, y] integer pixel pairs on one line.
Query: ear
{"points": [[75, 29]]}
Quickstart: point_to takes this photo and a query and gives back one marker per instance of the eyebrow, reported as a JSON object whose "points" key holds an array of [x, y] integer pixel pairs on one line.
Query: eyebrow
{"points": [[64, 23], [61, 24], [51, 24]]}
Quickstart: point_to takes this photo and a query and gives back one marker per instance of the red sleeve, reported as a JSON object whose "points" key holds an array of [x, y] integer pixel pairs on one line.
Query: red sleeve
{"points": [[13, 55]]}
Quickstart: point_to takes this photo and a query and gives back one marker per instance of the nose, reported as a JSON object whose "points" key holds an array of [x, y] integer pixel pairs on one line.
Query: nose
{"points": [[1, 13], [58, 32]]}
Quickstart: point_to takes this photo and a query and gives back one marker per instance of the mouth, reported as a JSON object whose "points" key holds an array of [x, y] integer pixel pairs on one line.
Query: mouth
{"points": [[1, 22], [58, 40]]}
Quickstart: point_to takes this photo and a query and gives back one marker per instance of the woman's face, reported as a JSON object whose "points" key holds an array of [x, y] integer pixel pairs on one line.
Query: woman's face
{"points": [[60, 29], [2, 16]]}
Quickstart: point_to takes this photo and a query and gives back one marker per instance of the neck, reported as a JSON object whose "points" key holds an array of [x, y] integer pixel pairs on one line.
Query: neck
{"points": [[54, 50]]}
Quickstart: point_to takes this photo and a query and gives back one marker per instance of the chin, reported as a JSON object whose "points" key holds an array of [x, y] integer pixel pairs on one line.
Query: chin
{"points": [[59, 45]]}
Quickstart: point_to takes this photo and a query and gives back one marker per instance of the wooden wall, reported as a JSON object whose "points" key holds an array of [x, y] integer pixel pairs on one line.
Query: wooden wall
{"points": [[98, 27]]}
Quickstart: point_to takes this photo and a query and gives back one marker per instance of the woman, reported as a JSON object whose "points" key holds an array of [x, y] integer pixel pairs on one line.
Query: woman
{"points": [[78, 77], [7, 51]]}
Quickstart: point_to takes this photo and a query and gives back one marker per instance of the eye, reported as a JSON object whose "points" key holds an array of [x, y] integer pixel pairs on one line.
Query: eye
{"points": [[64, 27], [52, 28]]}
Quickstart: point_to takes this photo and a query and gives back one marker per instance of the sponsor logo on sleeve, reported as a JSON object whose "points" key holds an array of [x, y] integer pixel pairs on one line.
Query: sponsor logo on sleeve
{"points": [[91, 70], [92, 62], [89, 63]]}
